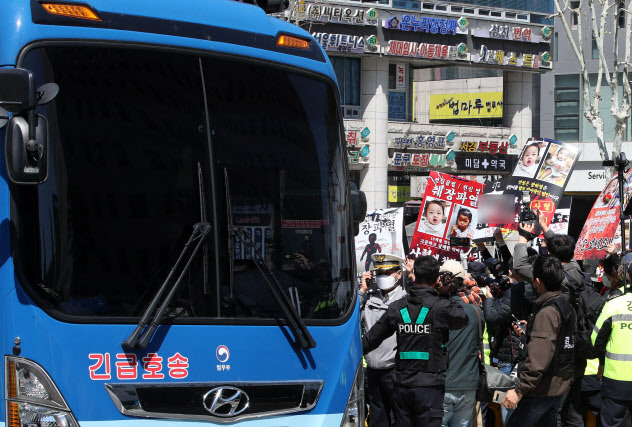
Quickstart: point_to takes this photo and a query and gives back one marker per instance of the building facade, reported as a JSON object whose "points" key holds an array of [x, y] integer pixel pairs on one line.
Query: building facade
{"points": [[563, 117], [430, 85]]}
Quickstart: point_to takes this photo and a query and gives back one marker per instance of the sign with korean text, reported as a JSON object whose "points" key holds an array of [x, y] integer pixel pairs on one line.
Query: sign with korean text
{"points": [[398, 193], [483, 163], [400, 76], [417, 161], [543, 168], [338, 15], [422, 142], [396, 105], [513, 59], [425, 50], [603, 220], [506, 32], [465, 106], [491, 147], [424, 24], [449, 209], [559, 223], [381, 231], [340, 42]]}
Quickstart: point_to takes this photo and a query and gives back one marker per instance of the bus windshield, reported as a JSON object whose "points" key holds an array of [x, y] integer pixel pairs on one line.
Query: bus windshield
{"points": [[144, 144]]}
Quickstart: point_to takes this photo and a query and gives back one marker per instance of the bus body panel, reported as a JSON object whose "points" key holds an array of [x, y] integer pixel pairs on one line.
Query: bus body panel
{"points": [[257, 353]]}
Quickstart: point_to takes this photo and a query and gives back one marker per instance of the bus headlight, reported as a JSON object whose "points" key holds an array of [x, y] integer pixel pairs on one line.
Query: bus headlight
{"points": [[32, 398], [354, 413]]}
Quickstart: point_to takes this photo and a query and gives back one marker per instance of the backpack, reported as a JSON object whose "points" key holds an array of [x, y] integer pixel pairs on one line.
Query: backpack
{"points": [[587, 303]]}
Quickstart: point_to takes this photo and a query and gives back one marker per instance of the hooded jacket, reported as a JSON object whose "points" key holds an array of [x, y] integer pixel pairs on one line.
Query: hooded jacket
{"points": [[374, 308]]}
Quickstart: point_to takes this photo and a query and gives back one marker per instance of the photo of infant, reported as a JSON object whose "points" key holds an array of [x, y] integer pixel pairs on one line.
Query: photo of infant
{"points": [[529, 161], [433, 220], [609, 197], [462, 223], [557, 164]]}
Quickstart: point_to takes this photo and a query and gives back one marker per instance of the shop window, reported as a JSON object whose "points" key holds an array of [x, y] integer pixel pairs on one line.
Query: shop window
{"points": [[566, 120], [348, 75]]}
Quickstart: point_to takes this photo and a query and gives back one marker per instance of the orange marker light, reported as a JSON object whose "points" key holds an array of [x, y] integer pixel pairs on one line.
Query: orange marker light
{"points": [[295, 42], [71, 10], [13, 389], [14, 415]]}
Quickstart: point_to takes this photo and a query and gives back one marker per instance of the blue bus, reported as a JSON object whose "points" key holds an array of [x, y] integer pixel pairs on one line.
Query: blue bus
{"points": [[176, 219]]}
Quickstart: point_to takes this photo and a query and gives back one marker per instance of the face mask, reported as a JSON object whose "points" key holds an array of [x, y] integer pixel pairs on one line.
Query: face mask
{"points": [[385, 282], [605, 281]]}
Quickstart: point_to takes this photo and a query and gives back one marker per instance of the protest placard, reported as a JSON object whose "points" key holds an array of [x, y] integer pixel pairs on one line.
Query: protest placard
{"points": [[381, 231], [543, 169], [449, 209], [603, 220]]}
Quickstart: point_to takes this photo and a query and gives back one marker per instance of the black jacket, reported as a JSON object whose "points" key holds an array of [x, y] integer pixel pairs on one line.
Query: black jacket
{"points": [[446, 315], [518, 300]]}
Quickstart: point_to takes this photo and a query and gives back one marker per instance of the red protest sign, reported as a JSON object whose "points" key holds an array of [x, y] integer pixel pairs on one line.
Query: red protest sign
{"points": [[449, 209], [603, 221]]}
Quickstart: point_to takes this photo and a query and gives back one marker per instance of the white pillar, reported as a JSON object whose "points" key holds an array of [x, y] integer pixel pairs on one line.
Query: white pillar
{"points": [[518, 96], [374, 86]]}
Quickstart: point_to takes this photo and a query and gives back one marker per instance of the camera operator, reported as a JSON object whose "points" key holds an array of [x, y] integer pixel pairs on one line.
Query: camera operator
{"points": [[381, 361], [462, 376]]}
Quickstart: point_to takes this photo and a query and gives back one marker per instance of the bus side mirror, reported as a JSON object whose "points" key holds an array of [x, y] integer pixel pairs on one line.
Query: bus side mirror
{"points": [[27, 160], [358, 207], [26, 141]]}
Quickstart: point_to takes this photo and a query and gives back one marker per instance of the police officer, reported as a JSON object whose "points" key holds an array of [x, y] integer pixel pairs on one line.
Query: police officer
{"points": [[381, 361], [422, 322], [612, 341]]}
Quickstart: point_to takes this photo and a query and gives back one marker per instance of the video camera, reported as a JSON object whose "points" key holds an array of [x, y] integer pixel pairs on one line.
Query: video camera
{"points": [[527, 215], [496, 267]]}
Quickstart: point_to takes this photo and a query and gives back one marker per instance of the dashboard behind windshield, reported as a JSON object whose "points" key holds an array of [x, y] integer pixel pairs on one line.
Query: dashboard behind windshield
{"points": [[146, 143]]}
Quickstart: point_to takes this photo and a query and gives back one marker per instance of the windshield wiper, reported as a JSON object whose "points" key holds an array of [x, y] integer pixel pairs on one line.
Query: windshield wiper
{"points": [[143, 333], [298, 327]]}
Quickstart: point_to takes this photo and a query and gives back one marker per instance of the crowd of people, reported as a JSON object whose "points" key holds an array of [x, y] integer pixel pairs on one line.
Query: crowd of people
{"points": [[532, 318]]}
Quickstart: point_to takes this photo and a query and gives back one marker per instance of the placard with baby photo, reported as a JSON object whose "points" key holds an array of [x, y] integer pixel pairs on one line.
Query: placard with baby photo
{"points": [[602, 224], [543, 169], [448, 209]]}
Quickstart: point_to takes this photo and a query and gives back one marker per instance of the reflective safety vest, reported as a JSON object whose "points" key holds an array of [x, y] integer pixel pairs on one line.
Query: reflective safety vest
{"points": [[419, 346], [486, 349], [616, 316], [592, 367]]}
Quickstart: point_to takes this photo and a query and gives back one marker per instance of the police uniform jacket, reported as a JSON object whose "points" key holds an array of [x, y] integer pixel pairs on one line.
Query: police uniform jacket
{"points": [[375, 306], [612, 340], [422, 322]]}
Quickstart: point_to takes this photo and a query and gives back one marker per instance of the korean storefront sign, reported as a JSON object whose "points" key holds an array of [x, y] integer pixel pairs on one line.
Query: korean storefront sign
{"points": [[417, 161], [340, 42], [341, 14], [500, 57], [425, 50], [400, 76], [482, 162], [463, 106], [491, 147], [424, 24], [423, 142], [512, 33]]}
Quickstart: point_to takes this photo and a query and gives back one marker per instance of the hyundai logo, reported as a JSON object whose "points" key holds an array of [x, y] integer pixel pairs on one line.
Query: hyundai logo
{"points": [[226, 401]]}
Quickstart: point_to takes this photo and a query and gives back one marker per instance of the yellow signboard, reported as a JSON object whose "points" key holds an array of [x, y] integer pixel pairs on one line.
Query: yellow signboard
{"points": [[398, 193], [464, 106]]}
